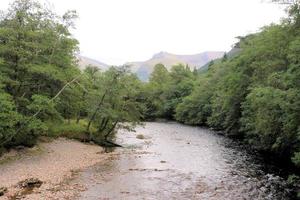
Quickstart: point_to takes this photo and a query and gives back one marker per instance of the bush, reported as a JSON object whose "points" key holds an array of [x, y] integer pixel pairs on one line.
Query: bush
{"points": [[28, 132]]}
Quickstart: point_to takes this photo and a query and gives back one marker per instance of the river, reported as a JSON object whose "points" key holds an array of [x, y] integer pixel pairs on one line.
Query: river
{"points": [[175, 161]]}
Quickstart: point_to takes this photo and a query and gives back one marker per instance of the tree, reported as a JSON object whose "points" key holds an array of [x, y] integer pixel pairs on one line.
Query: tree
{"points": [[37, 60], [114, 104], [159, 75]]}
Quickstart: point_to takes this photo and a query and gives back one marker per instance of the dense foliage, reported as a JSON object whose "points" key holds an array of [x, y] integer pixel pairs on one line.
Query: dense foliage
{"points": [[253, 94], [41, 86], [166, 90]]}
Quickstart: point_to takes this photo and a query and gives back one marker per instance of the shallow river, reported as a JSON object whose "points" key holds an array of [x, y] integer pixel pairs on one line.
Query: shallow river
{"points": [[174, 161]]}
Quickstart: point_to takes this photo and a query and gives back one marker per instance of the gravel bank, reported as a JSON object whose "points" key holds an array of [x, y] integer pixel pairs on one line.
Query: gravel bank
{"points": [[55, 164]]}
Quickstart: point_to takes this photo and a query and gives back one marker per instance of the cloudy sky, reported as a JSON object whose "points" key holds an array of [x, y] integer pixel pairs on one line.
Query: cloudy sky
{"points": [[117, 31]]}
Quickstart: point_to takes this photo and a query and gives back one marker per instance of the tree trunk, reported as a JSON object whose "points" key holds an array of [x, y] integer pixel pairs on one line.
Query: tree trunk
{"points": [[103, 127], [101, 124], [96, 111], [110, 130], [78, 119], [100, 103], [79, 112]]}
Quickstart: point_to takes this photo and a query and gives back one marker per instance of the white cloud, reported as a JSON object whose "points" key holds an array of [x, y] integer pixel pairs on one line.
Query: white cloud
{"points": [[116, 31]]}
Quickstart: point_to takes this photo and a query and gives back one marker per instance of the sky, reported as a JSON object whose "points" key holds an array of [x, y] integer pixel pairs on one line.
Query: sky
{"points": [[119, 31]]}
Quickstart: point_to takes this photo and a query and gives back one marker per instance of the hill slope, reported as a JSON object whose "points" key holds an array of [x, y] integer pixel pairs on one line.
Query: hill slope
{"points": [[83, 62], [145, 68]]}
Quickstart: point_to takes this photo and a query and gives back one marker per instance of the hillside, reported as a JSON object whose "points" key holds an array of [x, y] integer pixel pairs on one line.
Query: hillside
{"points": [[83, 62], [145, 68]]}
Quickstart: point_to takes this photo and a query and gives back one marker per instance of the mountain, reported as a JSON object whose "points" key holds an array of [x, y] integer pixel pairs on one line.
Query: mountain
{"points": [[144, 69], [83, 62]]}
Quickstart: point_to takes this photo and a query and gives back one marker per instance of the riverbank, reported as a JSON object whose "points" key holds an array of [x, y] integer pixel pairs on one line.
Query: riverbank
{"points": [[54, 163]]}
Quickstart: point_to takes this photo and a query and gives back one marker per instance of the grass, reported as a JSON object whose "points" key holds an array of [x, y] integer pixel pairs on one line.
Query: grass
{"points": [[72, 130], [69, 129]]}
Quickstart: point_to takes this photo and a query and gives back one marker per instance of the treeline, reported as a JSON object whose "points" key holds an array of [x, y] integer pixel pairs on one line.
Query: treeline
{"points": [[252, 94], [42, 90]]}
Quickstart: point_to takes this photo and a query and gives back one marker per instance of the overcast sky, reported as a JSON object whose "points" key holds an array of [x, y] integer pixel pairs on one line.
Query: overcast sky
{"points": [[117, 31]]}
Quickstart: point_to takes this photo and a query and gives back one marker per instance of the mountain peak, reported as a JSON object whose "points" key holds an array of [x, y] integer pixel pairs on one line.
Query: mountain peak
{"points": [[159, 55], [144, 69]]}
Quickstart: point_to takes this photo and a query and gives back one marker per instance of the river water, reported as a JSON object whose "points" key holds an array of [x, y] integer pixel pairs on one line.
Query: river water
{"points": [[174, 161]]}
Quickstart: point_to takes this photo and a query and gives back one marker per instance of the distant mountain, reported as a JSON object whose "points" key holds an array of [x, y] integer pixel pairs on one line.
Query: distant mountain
{"points": [[144, 69], [83, 62]]}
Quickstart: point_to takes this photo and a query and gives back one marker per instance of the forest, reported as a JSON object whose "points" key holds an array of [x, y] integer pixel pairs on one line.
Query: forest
{"points": [[43, 92], [252, 94]]}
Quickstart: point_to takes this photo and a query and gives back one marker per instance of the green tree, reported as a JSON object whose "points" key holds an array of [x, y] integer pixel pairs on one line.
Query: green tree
{"points": [[114, 104], [37, 60]]}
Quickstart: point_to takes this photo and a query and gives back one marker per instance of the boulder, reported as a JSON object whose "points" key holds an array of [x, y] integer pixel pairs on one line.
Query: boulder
{"points": [[30, 183]]}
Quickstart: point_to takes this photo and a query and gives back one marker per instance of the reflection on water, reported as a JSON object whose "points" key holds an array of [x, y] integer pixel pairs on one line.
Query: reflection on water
{"points": [[180, 162]]}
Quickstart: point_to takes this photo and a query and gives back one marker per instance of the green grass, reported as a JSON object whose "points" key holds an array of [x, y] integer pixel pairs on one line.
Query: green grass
{"points": [[69, 129]]}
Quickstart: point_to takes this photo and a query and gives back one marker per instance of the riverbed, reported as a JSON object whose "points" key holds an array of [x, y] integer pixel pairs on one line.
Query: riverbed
{"points": [[172, 161]]}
